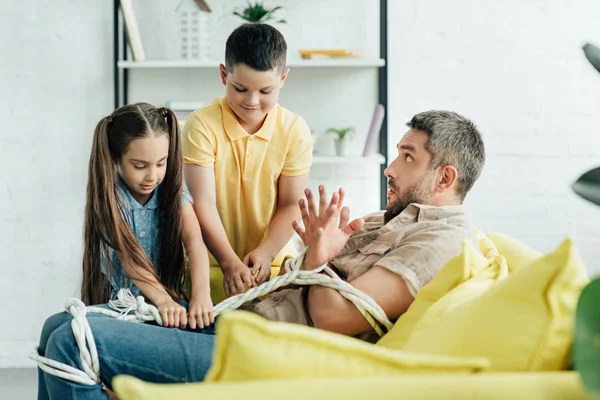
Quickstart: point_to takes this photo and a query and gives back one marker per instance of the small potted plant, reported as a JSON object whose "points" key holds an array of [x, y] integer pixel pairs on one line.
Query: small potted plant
{"points": [[257, 13], [341, 141]]}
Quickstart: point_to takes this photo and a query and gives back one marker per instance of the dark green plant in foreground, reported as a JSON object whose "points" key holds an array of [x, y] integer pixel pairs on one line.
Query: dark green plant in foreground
{"points": [[586, 341], [257, 13]]}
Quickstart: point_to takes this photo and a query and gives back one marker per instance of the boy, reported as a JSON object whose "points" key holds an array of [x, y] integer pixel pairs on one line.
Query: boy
{"points": [[246, 163]]}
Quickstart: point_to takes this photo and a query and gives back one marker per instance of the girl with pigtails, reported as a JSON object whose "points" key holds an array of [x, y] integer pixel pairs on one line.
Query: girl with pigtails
{"points": [[139, 218]]}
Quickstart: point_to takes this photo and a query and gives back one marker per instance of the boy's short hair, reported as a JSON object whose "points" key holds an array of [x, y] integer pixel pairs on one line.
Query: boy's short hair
{"points": [[259, 46]]}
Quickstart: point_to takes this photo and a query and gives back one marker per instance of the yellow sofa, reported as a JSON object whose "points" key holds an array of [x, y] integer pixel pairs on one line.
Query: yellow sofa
{"points": [[491, 326]]}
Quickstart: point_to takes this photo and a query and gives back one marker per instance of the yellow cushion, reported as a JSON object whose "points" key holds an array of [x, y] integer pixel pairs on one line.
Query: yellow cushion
{"points": [[522, 323], [249, 347], [488, 386], [517, 254], [456, 271]]}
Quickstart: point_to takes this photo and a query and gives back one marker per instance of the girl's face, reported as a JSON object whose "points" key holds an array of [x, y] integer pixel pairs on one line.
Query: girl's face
{"points": [[144, 164]]}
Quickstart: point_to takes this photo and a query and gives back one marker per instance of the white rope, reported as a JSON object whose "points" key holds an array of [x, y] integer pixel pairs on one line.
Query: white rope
{"points": [[144, 312]]}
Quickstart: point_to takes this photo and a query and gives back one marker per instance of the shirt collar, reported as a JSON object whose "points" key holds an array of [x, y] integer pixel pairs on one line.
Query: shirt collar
{"points": [[132, 203], [422, 212], [234, 130]]}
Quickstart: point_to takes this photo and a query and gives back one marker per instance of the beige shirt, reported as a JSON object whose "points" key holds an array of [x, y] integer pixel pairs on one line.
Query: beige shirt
{"points": [[415, 245]]}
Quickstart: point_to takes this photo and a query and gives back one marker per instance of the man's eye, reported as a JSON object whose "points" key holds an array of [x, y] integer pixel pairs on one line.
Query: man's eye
{"points": [[409, 158]]}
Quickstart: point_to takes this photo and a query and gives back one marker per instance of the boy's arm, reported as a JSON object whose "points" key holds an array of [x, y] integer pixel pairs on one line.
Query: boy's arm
{"points": [[200, 310], [290, 190], [201, 183]]}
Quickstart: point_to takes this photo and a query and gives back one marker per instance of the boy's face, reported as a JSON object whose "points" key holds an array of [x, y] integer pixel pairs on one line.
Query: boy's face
{"points": [[251, 94]]}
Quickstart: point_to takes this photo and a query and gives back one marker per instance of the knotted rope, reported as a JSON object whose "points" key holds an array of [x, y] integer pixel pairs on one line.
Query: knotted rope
{"points": [[144, 312]]}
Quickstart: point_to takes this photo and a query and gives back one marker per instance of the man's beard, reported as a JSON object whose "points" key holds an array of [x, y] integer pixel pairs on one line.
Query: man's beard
{"points": [[419, 193]]}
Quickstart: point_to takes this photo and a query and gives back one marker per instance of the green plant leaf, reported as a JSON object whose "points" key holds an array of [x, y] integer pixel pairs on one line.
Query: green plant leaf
{"points": [[592, 53], [586, 341], [588, 186]]}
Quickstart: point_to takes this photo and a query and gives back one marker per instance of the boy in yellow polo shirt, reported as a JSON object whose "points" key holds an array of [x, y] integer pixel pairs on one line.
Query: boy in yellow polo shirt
{"points": [[246, 163]]}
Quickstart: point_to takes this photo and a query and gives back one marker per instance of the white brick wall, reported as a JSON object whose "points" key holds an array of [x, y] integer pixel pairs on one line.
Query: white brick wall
{"points": [[516, 69]]}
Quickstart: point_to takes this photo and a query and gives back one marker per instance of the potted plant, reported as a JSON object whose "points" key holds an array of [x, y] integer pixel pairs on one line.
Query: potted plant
{"points": [[586, 341], [341, 141], [257, 13]]}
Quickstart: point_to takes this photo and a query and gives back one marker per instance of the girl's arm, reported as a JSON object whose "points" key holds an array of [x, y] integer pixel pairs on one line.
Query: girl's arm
{"points": [[201, 183], [200, 310], [173, 315], [290, 190]]}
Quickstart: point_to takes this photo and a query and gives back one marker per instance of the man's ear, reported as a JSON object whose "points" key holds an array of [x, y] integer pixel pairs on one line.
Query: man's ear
{"points": [[223, 73], [284, 76], [447, 178]]}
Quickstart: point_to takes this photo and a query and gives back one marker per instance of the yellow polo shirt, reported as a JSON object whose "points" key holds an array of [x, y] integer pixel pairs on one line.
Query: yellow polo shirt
{"points": [[247, 167]]}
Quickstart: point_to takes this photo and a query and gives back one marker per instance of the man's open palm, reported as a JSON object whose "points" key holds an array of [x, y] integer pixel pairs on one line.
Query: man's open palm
{"points": [[323, 233]]}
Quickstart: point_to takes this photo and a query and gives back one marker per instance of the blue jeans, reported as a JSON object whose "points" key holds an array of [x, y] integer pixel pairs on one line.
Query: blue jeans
{"points": [[147, 351]]}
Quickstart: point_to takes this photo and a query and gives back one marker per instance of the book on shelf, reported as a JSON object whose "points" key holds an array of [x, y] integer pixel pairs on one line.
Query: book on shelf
{"points": [[133, 32], [312, 54]]}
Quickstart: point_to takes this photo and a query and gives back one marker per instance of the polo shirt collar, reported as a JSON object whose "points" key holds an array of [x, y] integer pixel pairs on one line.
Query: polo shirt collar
{"points": [[234, 130]]}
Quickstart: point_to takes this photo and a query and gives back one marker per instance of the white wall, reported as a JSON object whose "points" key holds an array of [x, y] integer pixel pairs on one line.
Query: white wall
{"points": [[516, 69]]}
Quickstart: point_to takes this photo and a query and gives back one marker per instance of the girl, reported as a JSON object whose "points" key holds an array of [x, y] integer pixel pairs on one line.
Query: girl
{"points": [[138, 214]]}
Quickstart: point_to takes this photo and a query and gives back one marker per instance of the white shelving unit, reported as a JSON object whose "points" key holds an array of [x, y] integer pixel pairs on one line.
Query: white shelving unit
{"points": [[337, 63]]}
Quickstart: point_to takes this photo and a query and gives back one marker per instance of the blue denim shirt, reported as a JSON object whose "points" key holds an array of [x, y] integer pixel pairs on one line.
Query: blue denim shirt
{"points": [[144, 221]]}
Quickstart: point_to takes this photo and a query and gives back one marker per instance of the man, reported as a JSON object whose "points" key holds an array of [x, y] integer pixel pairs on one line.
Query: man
{"points": [[389, 255]]}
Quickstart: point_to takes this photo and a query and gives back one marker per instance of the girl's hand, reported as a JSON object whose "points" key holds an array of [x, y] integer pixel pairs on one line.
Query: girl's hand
{"points": [[173, 314], [201, 311], [260, 261]]}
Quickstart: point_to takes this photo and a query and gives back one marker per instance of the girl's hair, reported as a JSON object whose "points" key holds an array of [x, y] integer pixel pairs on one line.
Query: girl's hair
{"points": [[106, 225]]}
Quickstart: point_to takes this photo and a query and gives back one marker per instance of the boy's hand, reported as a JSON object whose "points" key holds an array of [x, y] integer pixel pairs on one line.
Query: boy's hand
{"points": [[173, 314], [260, 261], [234, 278], [201, 311]]}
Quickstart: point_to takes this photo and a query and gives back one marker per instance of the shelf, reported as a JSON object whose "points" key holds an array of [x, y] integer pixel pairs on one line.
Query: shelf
{"points": [[375, 158], [348, 63]]}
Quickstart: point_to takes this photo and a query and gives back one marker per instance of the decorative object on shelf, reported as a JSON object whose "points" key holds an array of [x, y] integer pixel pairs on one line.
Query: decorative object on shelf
{"points": [[133, 32], [341, 141], [310, 54], [194, 29], [586, 341], [374, 130], [257, 13]]}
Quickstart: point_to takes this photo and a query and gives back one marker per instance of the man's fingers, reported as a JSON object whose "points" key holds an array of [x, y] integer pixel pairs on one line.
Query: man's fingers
{"points": [[312, 212], [354, 226], [322, 198], [304, 212], [344, 217], [342, 194]]}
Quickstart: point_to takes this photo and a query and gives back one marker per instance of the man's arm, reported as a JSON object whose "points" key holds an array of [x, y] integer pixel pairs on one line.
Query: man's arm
{"points": [[332, 312]]}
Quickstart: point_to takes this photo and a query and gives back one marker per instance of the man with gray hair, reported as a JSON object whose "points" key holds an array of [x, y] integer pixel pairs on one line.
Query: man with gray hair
{"points": [[389, 255]]}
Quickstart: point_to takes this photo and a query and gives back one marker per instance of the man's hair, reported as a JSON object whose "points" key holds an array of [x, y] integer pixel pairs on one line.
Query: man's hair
{"points": [[453, 140], [259, 46]]}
